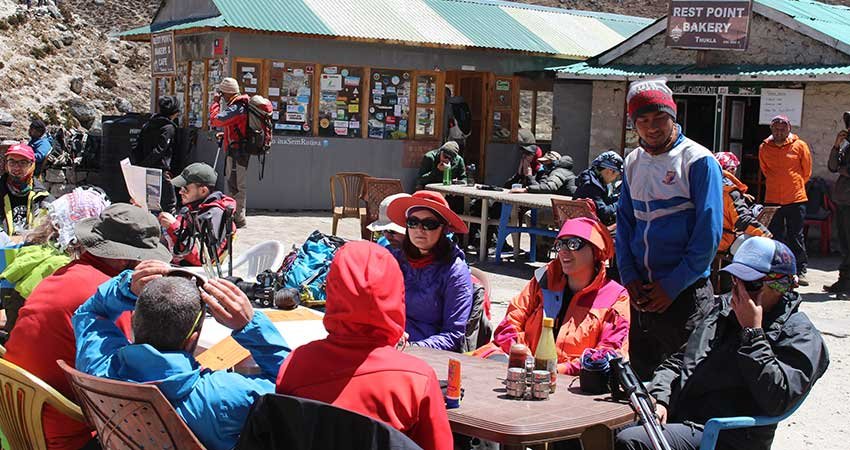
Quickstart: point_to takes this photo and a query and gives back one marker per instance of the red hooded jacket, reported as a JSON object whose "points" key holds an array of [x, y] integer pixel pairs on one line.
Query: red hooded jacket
{"points": [[357, 366], [215, 204], [233, 119], [43, 334]]}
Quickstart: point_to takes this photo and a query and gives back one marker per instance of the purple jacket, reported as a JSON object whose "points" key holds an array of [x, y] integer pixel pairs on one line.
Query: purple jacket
{"points": [[438, 300]]}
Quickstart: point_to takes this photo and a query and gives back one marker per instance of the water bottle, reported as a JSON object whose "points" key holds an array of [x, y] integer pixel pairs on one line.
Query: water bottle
{"points": [[447, 176], [471, 173]]}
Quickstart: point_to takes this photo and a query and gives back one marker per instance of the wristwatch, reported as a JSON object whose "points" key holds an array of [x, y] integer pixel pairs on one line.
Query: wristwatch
{"points": [[749, 335]]}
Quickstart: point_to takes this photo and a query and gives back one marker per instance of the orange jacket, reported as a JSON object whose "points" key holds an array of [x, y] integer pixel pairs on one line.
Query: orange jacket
{"points": [[737, 215], [596, 317], [787, 168]]}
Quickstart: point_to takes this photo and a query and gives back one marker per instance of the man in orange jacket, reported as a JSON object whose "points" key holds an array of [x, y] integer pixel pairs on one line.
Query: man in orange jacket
{"points": [[786, 163]]}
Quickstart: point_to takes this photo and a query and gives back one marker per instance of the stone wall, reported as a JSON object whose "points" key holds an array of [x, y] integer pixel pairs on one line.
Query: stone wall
{"points": [[770, 43], [607, 114], [823, 104]]}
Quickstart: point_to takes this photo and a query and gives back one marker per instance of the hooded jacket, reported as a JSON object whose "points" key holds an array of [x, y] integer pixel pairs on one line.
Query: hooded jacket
{"points": [[213, 404], [42, 147], [34, 201], [212, 209], [786, 167], [596, 317], [559, 180], [233, 119], [32, 264], [438, 300], [44, 323], [428, 172], [737, 216], [720, 375], [155, 147], [591, 186], [357, 367], [670, 216]]}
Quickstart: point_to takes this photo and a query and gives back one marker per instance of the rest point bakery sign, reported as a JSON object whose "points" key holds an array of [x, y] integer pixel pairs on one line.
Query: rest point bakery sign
{"points": [[709, 24]]}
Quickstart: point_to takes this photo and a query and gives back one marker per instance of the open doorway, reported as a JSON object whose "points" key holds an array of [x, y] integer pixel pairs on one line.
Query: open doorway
{"points": [[696, 115], [743, 136], [472, 87]]}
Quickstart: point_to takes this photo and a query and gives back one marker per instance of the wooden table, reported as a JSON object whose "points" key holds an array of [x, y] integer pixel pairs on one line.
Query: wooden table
{"points": [[508, 201], [486, 411]]}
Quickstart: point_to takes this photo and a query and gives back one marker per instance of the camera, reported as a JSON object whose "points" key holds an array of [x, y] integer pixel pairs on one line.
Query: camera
{"points": [[268, 291]]}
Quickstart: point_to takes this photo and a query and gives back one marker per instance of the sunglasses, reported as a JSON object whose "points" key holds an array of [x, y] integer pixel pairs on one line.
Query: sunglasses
{"points": [[426, 224], [199, 281], [572, 244], [389, 233], [752, 286]]}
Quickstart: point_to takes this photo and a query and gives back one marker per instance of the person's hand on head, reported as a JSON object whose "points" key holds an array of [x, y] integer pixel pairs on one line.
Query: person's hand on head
{"points": [[228, 305], [146, 272], [166, 219], [748, 311], [839, 140], [658, 300]]}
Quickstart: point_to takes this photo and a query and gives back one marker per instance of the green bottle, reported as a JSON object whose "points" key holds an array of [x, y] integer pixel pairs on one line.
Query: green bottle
{"points": [[447, 176]]}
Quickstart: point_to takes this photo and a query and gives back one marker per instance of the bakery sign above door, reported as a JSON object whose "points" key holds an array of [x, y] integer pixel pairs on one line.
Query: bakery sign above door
{"points": [[162, 55], [709, 24]]}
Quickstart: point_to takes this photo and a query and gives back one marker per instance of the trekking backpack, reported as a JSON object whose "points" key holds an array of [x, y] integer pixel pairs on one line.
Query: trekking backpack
{"points": [[460, 119], [258, 137], [308, 271]]}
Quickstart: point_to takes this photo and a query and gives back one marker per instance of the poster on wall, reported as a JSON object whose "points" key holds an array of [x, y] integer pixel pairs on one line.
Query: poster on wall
{"points": [[340, 90], [389, 108], [195, 110], [774, 102], [291, 93], [163, 62], [248, 75], [215, 73], [709, 24]]}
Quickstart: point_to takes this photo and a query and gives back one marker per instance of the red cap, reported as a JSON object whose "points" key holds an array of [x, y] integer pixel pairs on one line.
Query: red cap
{"points": [[22, 150]]}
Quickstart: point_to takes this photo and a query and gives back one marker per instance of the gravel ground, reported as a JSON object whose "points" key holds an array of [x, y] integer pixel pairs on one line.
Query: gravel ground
{"points": [[820, 423]]}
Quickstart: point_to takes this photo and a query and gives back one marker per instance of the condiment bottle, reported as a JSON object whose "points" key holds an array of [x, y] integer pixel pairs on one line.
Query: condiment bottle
{"points": [[546, 357], [517, 357]]}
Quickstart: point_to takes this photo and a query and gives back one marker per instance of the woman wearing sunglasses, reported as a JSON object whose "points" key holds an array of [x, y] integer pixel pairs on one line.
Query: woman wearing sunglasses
{"points": [[437, 282], [590, 311]]}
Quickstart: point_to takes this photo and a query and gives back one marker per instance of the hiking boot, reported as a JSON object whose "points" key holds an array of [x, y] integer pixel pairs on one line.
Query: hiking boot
{"points": [[839, 287], [801, 279]]}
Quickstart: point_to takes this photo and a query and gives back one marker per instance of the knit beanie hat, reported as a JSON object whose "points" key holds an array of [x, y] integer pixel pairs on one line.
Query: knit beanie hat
{"points": [[647, 96], [229, 86]]}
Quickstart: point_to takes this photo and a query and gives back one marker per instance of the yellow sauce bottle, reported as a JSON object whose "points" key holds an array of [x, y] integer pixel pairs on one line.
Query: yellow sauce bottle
{"points": [[546, 357]]}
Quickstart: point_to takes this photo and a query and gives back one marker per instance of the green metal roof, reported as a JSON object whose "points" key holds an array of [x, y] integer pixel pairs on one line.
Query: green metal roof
{"points": [[831, 20], [451, 23], [725, 71]]}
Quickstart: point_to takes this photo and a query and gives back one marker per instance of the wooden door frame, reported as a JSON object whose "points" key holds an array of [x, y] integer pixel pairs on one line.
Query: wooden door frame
{"points": [[455, 77]]}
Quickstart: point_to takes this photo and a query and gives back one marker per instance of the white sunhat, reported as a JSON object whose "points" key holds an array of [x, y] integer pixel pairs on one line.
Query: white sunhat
{"points": [[384, 223]]}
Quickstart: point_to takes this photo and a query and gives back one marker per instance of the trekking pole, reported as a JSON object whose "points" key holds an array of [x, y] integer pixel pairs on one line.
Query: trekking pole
{"points": [[220, 137], [631, 386], [229, 233]]}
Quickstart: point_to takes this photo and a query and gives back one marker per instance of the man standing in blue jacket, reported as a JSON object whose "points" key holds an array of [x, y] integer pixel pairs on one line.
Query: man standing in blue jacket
{"points": [[669, 223], [169, 313], [41, 144]]}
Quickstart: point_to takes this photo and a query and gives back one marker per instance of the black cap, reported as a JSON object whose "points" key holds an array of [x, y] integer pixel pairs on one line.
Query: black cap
{"points": [[168, 105], [39, 125], [199, 173]]}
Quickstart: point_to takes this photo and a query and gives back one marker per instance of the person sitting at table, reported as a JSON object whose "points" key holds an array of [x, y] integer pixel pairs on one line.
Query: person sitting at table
{"points": [[392, 235], [557, 176], [437, 283], [590, 311], [599, 183], [437, 161], [118, 239], [168, 313], [754, 353], [359, 367], [529, 162]]}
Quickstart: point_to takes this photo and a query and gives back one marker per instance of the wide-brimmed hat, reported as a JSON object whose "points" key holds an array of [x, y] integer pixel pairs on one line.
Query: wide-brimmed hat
{"points": [[591, 230], [384, 223], [398, 210], [759, 256], [123, 231]]}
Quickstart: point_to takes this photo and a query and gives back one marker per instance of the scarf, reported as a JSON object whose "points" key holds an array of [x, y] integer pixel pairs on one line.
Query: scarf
{"points": [[19, 187], [419, 263], [780, 282]]}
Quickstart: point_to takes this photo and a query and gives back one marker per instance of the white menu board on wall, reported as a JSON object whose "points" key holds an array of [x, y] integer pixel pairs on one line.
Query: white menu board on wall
{"points": [[781, 101]]}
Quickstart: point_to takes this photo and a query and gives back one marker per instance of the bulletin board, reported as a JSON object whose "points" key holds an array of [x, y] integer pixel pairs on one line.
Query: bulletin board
{"points": [[291, 93], [504, 121], [340, 94], [215, 73], [195, 107], [389, 108], [428, 100], [163, 86], [180, 84], [248, 73]]}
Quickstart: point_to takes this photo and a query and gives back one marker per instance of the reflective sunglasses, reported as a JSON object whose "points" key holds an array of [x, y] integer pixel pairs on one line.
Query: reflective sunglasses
{"points": [[426, 224], [572, 244]]}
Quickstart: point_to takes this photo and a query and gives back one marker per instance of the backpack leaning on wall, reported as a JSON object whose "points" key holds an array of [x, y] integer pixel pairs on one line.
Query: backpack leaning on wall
{"points": [[258, 137]]}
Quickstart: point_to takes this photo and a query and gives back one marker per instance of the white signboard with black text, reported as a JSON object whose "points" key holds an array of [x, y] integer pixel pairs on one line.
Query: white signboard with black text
{"points": [[774, 102]]}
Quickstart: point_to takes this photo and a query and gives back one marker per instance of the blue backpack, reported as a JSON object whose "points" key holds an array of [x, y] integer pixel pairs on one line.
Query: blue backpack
{"points": [[307, 269]]}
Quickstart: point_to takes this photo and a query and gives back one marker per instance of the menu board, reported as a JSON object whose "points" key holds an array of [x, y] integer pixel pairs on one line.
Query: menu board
{"points": [[195, 109], [390, 104], [340, 90], [426, 106], [248, 76], [291, 93]]}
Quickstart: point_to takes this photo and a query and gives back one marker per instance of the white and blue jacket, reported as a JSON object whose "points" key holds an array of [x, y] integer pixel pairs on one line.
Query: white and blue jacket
{"points": [[670, 216], [214, 404]]}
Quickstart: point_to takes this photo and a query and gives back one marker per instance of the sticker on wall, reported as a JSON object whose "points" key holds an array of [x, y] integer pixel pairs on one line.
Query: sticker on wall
{"points": [[406, 76], [353, 82], [324, 123], [396, 80], [376, 76], [344, 72], [330, 70], [305, 127]]}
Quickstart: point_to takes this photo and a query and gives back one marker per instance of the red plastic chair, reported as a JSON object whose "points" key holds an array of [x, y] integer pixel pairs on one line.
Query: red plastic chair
{"points": [[825, 224]]}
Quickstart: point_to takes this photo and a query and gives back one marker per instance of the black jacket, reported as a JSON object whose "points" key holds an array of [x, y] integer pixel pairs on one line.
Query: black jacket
{"points": [[155, 146], [293, 423], [591, 186], [559, 180], [719, 375]]}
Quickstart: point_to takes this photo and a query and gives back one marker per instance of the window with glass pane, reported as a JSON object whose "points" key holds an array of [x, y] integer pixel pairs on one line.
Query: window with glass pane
{"points": [[340, 90], [291, 94], [180, 82], [195, 110], [543, 116], [389, 105], [426, 106], [526, 109]]}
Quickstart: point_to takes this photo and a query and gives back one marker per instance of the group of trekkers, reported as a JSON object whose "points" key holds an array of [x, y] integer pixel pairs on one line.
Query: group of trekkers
{"points": [[112, 305]]}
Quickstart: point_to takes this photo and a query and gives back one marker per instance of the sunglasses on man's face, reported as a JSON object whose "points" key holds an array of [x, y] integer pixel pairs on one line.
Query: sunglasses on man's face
{"points": [[751, 286], [426, 224], [572, 244]]}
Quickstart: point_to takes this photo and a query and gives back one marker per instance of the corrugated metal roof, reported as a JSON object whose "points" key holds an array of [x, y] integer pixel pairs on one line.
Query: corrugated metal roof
{"points": [[458, 23], [831, 20], [629, 72]]}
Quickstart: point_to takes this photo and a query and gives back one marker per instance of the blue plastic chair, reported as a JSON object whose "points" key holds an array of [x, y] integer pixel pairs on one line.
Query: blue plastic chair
{"points": [[712, 428]]}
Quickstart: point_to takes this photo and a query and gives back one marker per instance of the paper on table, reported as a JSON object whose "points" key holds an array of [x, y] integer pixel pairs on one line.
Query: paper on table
{"points": [[143, 184], [223, 355]]}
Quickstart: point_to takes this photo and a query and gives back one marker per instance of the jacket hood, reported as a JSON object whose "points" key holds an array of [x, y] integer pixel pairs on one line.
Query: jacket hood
{"points": [[792, 138], [240, 98], [566, 162], [733, 183], [216, 199], [142, 363], [589, 176], [365, 296]]}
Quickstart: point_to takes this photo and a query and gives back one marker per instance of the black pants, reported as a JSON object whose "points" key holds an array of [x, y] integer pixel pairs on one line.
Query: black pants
{"points": [[787, 227], [653, 337], [843, 226], [679, 436]]}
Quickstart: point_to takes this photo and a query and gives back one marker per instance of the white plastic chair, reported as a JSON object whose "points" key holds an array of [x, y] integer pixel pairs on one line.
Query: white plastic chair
{"points": [[265, 255]]}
